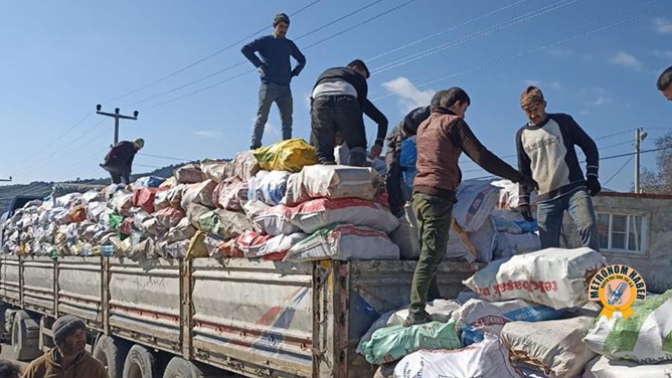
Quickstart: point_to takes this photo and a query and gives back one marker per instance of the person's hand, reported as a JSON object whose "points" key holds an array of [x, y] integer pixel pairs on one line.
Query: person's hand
{"points": [[295, 73], [262, 68], [594, 186], [528, 182], [526, 212], [376, 150]]}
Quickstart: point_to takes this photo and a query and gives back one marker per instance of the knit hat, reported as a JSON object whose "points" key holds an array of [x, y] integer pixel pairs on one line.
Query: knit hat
{"points": [[359, 62], [65, 326], [140, 143], [280, 17], [531, 96]]}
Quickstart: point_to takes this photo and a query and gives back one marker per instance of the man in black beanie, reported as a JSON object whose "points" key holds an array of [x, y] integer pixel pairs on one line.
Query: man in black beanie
{"points": [[338, 103], [276, 73], [69, 358]]}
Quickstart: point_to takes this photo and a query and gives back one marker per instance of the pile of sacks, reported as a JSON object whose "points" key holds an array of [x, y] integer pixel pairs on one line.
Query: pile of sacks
{"points": [[273, 203]]}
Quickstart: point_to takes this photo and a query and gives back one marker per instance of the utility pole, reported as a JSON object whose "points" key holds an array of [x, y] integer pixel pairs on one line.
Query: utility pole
{"points": [[116, 117], [640, 135], [6, 180]]}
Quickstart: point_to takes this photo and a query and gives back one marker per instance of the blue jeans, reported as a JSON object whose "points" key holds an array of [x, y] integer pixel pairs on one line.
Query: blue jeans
{"points": [[580, 208], [282, 96]]}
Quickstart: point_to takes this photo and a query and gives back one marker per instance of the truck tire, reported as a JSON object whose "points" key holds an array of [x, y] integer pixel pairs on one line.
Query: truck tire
{"points": [[112, 353], [25, 337], [140, 363]]}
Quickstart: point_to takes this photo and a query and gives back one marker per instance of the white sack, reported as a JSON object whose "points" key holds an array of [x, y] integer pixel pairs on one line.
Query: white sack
{"points": [[507, 245], [602, 367], [268, 187], [215, 169], [441, 310], [330, 181], [281, 243], [475, 200], [200, 193], [406, 235], [276, 220], [319, 213], [181, 231]]}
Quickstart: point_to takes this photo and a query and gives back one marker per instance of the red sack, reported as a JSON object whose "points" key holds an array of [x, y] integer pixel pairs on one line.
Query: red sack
{"points": [[168, 217], [126, 227], [144, 198]]}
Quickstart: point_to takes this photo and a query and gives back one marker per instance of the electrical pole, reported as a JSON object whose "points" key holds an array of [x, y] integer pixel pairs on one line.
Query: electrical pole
{"points": [[116, 117], [640, 135]]}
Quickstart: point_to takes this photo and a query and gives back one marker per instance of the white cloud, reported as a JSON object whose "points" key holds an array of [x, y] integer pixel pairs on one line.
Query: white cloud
{"points": [[662, 25], [543, 84], [598, 97], [410, 97], [664, 54], [624, 59], [207, 133]]}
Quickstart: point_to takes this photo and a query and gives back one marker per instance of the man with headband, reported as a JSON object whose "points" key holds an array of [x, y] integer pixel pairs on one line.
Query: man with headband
{"points": [[276, 73], [546, 152]]}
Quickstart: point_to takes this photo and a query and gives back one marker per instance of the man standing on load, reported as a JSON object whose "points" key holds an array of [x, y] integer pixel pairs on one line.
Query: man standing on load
{"points": [[276, 73], [546, 152], [119, 161], [440, 140], [338, 104], [665, 83]]}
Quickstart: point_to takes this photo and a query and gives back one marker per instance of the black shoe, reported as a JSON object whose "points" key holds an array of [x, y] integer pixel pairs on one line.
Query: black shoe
{"points": [[417, 319]]}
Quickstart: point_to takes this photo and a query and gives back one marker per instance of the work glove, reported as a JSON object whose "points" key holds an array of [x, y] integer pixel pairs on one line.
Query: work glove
{"points": [[526, 212], [594, 186]]}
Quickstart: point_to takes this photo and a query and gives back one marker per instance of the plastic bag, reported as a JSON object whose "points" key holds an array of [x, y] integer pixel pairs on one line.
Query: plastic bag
{"points": [[393, 343], [290, 155], [148, 182], [345, 242], [316, 214], [554, 277], [330, 181], [268, 187], [197, 246], [231, 194]]}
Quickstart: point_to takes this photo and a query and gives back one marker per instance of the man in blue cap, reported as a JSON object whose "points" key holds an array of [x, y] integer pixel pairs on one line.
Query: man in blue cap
{"points": [[276, 73]]}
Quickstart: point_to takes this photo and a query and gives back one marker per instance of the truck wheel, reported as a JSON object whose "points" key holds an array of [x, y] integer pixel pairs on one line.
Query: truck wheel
{"points": [[25, 337], [180, 368], [112, 353], [140, 363]]}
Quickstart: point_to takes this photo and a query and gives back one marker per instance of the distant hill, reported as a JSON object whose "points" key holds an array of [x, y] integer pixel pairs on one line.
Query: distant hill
{"points": [[44, 189]]}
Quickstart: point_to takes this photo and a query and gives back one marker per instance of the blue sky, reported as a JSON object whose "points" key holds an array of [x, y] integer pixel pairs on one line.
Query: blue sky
{"points": [[595, 59]]}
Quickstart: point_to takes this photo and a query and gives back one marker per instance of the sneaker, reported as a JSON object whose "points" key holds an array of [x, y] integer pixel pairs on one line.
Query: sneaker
{"points": [[417, 319]]}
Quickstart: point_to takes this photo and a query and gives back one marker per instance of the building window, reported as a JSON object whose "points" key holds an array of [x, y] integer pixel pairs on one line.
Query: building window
{"points": [[621, 232]]}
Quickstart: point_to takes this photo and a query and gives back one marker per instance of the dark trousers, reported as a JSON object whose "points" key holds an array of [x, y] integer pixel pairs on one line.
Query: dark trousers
{"points": [[393, 182], [118, 174], [338, 114], [282, 96], [434, 215]]}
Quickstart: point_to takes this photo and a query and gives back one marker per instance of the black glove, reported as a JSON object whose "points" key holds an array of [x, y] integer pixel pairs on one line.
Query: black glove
{"points": [[295, 73], [528, 182], [526, 212], [594, 186]]}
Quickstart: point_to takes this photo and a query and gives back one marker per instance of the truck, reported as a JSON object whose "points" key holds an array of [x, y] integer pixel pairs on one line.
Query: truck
{"points": [[178, 318]]}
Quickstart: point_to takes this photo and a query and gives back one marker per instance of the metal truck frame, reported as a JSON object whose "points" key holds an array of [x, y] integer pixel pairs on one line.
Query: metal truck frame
{"points": [[191, 318]]}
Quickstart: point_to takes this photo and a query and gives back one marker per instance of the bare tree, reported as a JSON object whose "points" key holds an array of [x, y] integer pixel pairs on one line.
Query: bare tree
{"points": [[659, 181]]}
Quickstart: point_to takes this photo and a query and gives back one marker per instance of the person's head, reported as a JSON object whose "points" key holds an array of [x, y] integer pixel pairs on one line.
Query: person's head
{"points": [[665, 83], [9, 370], [358, 66], [281, 25], [533, 104], [69, 335], [454, 99], [139, 143]]}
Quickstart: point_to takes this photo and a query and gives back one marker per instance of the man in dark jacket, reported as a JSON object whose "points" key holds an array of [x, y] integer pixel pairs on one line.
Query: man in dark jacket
{"points": [[441, 139], [276, 74], [665, 83], [394, 178], [339, 101], [69, 359], [546, 152], [119, 160]]}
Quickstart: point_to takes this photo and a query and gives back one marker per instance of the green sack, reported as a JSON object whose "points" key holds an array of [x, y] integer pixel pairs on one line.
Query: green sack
{"points": [[393, 343], [115, 221], [211, 224]]}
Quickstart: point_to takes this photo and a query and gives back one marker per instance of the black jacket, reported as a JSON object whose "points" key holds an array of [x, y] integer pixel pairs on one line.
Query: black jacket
{"points": [[359, 83], [121, 155]]}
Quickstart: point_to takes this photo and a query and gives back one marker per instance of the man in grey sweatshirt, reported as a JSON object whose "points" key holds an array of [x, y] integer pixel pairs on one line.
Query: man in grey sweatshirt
{"points": [[276, 73]]}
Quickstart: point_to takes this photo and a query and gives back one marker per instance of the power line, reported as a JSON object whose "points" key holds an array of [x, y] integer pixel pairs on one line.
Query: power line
{"points": [[619, 171], [254, 69], [473, 36], [165, 157], [204, 59], [535, 50]]}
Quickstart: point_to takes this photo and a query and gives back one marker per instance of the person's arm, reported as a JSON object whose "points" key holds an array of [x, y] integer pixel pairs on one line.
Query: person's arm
{"points": [[30, 372], [587, 144], [379, 118], [250, 50], [300, 58], [525, 167], [467, 141]]}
